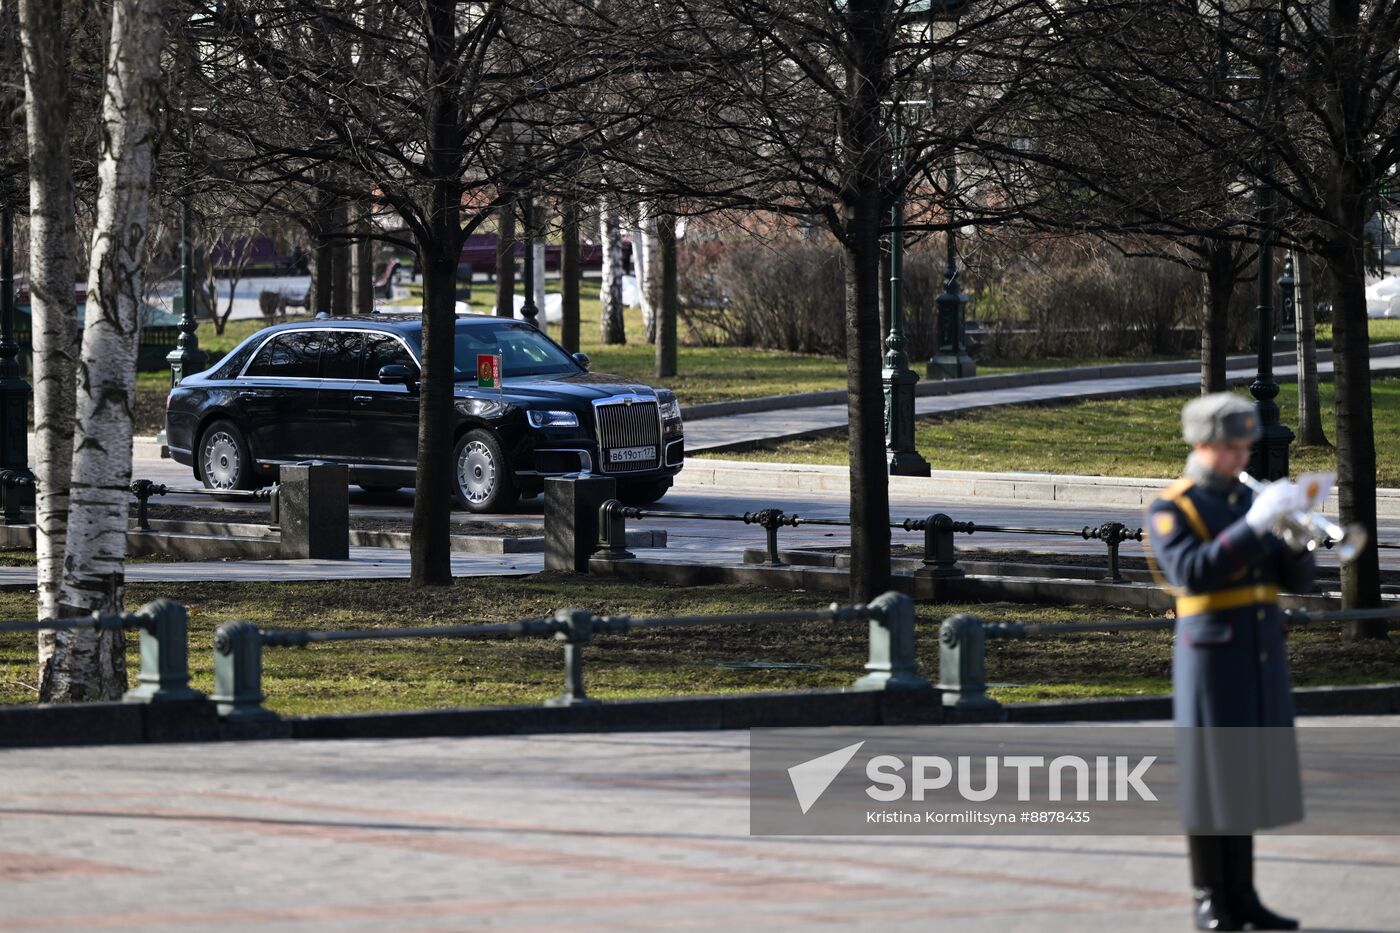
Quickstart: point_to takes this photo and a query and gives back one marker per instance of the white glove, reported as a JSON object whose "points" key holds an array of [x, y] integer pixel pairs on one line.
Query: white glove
{"points": [[1277, 499]]}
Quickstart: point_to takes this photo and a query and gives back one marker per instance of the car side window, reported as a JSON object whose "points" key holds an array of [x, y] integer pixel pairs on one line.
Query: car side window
{"points": [[384, 350], [293, 355], [340, 354]]}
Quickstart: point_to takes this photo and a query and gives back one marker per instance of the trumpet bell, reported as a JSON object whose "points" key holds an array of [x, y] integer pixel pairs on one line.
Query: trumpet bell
{"points": [[1351, 543]]}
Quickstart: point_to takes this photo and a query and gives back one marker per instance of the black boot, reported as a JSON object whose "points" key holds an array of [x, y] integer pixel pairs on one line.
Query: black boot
{"points": [[1244, 900], [1212, 908]]}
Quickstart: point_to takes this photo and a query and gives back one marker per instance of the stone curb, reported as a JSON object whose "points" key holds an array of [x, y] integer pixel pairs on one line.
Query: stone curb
{"points": [[929, 387], [956, 484]]}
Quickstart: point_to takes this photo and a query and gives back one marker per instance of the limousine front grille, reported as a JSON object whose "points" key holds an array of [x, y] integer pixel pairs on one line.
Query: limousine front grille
{"points": [[630, 427]]}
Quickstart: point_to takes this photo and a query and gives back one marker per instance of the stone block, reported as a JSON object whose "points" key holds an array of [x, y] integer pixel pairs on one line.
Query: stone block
{"points": [[571, 506], [315, 511]]}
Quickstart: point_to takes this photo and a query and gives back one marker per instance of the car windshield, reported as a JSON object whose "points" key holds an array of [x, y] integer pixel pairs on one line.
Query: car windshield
{"points": [[524, 351]]}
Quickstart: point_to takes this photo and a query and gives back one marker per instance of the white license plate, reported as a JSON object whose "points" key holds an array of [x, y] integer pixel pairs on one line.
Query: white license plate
{"points": [[631, 454]]}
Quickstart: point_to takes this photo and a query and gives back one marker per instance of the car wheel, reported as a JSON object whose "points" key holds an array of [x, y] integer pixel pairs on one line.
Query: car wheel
{"points": [[643, 493], [481, 478], [224, 459]]}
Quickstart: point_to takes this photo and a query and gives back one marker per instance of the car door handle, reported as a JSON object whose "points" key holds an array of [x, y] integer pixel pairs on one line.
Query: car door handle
{"points": [[364, 398]]}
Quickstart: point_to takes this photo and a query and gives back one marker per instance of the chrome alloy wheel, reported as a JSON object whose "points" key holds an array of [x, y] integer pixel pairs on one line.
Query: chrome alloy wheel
{"points": [[476, 472], [221, 462]]}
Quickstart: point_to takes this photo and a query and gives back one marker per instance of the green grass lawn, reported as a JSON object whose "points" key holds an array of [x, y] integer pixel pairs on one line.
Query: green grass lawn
{"points": [[422, 673], [1123, 437]]}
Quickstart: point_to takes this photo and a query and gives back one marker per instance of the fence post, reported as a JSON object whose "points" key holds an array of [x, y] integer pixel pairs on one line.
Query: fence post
{"points": [[962, 663], [612, 531], [165, 647], [238, 672], [571, 519], [893, 664], [770, 520], [315, 507], [575, 629], [940, 558]]}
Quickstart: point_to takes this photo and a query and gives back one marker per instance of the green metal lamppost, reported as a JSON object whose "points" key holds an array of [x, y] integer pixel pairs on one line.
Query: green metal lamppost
{"points": [[1287, 338], [1269, 458], [951, 360], [529, 311], [899, 379], [14, 391], [187, 357]]}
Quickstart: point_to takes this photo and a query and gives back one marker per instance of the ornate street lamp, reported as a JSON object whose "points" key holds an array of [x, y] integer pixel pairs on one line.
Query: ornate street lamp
{"points": [[899, 379], [1287, 337], [951, 360], [1269, 458], [187, 357], [529, 311], [14, 391]]}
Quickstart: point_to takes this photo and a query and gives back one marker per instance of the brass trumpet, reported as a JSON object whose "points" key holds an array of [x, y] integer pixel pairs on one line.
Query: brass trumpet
{"points": [[1306, 531]]}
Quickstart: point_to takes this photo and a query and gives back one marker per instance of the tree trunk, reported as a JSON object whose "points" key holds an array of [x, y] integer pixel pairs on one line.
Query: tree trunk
{"points": [[537, 225], [570, 272], [667, 312], [323, 276], [1219, 288], [340, 262], [94, 564], [1310, 430], [863, 154], [363, 273], [1356, 442], [440, 249], [53, 305], [646, 258], [612, 324], [505, 260]]}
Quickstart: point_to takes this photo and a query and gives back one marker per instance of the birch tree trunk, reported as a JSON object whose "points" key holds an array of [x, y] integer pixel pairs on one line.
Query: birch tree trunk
{"points": [[505, 260], [54, 308], [1310, 430], [669, 309], [646, 258], [537, 225], [93, 574], [612, 325]]}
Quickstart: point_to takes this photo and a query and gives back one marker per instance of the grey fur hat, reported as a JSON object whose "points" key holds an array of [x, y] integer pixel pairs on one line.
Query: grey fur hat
{"points": [[1221, 416]]}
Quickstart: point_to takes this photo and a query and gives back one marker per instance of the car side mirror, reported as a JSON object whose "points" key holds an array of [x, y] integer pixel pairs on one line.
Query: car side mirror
{"points": [[582, 359], [397, 374]]}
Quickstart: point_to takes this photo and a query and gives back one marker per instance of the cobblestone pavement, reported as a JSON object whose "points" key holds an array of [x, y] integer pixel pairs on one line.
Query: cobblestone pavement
{"points": [[592, 832]]}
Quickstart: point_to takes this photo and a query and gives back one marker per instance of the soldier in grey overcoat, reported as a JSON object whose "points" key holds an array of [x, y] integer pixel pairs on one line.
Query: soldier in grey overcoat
{"points": [[1213, 540]]}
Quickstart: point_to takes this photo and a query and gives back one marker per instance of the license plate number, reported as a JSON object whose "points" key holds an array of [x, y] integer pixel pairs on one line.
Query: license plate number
{"points": [[631, 454]]}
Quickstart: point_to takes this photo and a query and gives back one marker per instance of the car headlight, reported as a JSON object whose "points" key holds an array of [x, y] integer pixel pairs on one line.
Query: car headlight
{"points": [[670, 409], [552, 419]]}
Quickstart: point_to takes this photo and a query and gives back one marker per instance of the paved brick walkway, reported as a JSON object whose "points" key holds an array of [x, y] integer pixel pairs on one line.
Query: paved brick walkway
{"points": [[619, 832]]}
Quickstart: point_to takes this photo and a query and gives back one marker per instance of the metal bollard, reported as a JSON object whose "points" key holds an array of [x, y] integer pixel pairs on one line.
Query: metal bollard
{"points": [[274, 510], [16, 494], [575, 629], [962, 664], [238, 691], [143, 489], [893, 664], [612, 531], [940, 559], [770, 520], [165, 669]]}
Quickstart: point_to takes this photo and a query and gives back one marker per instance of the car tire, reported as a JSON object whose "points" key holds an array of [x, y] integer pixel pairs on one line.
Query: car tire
{"points": [[643, 493], [223, 458], [481, 477]]}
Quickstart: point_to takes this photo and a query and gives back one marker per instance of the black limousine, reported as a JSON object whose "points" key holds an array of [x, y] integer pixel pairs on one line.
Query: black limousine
{"points": [[345, 390]]}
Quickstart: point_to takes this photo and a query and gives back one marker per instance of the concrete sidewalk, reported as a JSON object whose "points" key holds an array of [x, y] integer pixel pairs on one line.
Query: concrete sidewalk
{"points": [[643, 831], [1040, 488], [736, 431]]}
